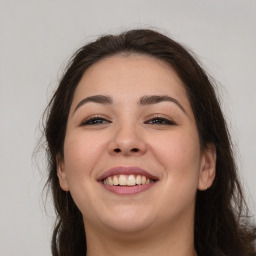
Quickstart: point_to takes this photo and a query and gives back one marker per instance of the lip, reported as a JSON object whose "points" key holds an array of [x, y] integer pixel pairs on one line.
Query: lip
{"points": [[126, 190], [126, 170]]}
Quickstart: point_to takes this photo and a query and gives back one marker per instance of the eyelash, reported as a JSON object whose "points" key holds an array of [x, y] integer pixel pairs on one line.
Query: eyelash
{"points": [[159, 120], [155, 120], [94, 120]]}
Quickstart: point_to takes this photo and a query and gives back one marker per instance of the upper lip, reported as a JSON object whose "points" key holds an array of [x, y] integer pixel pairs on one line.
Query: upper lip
{"points": [[126, 170]]}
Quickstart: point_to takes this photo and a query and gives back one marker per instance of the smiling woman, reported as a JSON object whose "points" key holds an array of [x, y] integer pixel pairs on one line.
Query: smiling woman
{"points": [[140, 161]]}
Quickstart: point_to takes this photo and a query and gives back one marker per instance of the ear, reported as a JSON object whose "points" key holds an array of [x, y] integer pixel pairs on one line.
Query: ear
{"points": [[61, 173], [208, 167]]}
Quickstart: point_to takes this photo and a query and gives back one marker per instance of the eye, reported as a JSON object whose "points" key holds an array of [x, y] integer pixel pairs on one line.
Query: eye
{"points": [[158, 120], [95, 120]]}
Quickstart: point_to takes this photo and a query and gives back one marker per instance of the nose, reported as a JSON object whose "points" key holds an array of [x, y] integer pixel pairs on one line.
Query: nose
{"points": [[127, 141]]}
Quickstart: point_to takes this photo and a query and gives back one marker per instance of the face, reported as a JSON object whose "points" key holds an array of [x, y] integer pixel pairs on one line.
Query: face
{"points": [[132, 158]]}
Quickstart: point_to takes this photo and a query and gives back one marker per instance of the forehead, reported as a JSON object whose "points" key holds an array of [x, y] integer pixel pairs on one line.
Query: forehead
{"points": [[130, 76]]}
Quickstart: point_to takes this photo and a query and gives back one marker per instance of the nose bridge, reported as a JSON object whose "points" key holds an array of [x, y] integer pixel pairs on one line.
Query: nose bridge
{"points": [[126, 133], [127, 138]]}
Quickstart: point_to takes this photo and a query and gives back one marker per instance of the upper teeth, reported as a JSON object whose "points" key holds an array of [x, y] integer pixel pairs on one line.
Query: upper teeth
{"points": [[127, 180]]}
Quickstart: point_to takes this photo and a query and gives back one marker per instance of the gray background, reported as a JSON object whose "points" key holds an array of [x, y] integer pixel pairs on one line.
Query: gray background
{"points": [[36, 39]]}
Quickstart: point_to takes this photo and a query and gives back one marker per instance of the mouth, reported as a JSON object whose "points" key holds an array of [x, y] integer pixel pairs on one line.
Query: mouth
{"points": [[127, 180]]}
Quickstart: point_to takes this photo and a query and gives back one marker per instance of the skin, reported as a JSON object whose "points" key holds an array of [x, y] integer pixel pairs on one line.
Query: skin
{"points": [[157, 221]]}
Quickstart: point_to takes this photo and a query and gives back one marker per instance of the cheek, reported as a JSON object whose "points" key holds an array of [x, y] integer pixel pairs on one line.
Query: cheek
{"points": [[179, 154], [81, 154]]}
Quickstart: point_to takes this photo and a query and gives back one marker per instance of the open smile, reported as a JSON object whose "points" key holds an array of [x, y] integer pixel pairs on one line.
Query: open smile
{"points": [[127, 180]]}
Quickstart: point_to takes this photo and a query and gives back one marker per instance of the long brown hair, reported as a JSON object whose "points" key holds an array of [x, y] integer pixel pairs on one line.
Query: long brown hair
{"points": [[222, 226]]}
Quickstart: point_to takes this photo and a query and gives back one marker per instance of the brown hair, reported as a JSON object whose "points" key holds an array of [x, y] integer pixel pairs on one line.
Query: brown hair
{"points": [[222, 225]]}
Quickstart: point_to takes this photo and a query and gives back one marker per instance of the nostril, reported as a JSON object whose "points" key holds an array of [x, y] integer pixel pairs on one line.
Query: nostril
{"points": [[118, 150]]}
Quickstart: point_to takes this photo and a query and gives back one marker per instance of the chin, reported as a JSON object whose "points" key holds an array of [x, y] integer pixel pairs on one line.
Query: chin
{"points": [[128, 219]]}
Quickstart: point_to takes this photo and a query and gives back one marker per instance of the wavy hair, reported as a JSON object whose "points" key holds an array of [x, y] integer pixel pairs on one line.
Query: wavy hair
{"points": [[222, 225]]}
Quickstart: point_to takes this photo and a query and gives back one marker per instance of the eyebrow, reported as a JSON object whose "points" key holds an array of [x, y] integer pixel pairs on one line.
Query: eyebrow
{"points": [[145, 100], [101, 99], [153, 99]]}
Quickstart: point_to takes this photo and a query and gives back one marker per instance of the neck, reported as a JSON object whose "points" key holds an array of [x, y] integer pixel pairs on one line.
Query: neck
{"points": [[178, 241]]}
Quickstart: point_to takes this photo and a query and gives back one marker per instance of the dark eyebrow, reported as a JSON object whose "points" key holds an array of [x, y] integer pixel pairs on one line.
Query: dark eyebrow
{"points": [[153, 99], [102, 99], [145, 100]]}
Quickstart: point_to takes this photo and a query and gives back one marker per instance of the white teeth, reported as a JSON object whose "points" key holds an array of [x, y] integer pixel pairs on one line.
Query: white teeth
{"points": [[131, 180], [127, 180], [138, 180], [115, 181], [122, 180], [143, 180], [110, 181]]}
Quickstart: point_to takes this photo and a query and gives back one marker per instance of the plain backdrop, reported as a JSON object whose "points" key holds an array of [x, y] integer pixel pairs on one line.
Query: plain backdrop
{"points": [[36, 40]]}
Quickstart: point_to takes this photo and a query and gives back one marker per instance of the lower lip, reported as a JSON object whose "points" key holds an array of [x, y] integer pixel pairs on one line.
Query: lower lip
{"points": [[128, 190]]}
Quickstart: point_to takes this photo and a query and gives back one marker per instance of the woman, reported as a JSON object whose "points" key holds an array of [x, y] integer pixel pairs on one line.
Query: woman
{"points": [[140, 159]]}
